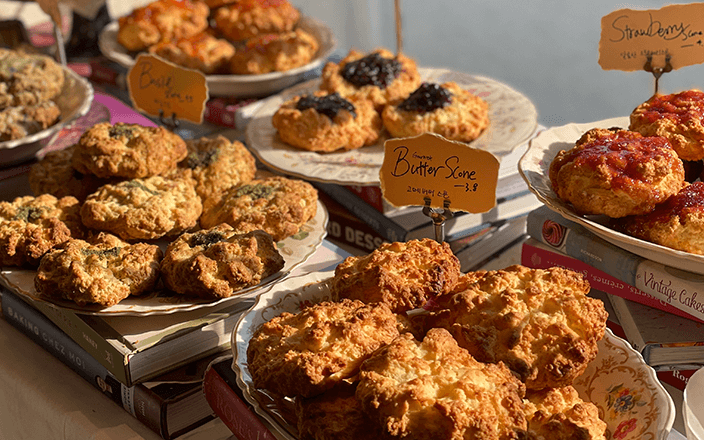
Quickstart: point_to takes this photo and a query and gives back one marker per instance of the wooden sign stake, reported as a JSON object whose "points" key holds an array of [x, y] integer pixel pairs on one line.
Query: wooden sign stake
{"points": [[399, 37]]}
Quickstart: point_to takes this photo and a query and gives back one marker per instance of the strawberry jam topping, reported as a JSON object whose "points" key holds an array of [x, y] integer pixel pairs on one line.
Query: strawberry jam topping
{"points": [[680, 107]]}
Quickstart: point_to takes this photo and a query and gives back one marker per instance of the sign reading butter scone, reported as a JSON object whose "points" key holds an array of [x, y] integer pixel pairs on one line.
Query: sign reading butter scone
{"points": [[430, 166], [157, 86]]}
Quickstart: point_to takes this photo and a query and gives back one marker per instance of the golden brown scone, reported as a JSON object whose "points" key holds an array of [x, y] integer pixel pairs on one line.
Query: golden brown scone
{"points": [[162, 20], [307, 353], [31, 226], [560, 414], [28, 79], [246, 19], [144, 209], [677, 223], [212, 4], [267, 53], [380, 76], [277, 205], [539, 322], [445, 109], [403, 275], [22, 121], [617, 173], [203, 52], [104, 271], [677, 117], [127, 151], [435, 389], [219, 262], [218, 164], [327, 122]]}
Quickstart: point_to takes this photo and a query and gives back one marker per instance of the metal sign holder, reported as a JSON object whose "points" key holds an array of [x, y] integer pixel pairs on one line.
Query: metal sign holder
{"points": [[438, 216], [657, 71]]}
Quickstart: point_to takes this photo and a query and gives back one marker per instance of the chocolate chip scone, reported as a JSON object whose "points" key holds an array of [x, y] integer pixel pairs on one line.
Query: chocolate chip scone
{"points": [[104, 271], [219, 262], [128, 151], [144, 209], [277, 205]]}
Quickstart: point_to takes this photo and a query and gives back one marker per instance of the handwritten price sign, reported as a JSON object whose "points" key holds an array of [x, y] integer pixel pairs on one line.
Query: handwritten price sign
{"points": [[628, 37], [156, 86], [434, 167]]}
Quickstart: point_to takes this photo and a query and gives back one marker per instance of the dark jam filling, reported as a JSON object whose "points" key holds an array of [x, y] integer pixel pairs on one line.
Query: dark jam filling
{"points": [[427, 98], [205, 239], [328, 105], [680, 107], [372, 70]]}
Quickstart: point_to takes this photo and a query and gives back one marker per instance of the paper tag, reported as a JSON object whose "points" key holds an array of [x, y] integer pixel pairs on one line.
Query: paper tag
{"points": [[629, 36], [51, 8], [431, 166], [156, 85]]}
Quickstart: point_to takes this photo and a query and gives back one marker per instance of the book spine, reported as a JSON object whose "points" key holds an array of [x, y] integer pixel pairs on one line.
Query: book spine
{"points": [[676, 287], [345, 228], [676, 378], [47, 335], [537, 257]]}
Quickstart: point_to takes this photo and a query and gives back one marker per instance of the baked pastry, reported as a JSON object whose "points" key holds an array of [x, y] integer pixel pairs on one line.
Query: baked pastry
{"points": [[308, 353], [560, 414], [379, 76], [616, 172], [144, 209], [327, 122], [539, 322], [203, 52], [246, 19], [435, 389], [219, 262], [677, 223], [267, 53], [403, 275], [277, 205], [677, 117], [31, 226], [162, 20], [445, 109], [104, 271], [22, 121], [127, 150], [218, 164], [28, 79]]}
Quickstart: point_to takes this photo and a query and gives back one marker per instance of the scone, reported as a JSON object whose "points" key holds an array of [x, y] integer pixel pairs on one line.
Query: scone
{"points": [[162, 20], [327, 122], [277, 205], [308, 353], [28, 79], [203, 52], [677, 117], [445, 109], [127, 151], [104, 271], [560, 414], [246, 19], [219, 262], [404, 276], [435, 389], [379, 76], [267, 53], [616, 173], [540, 323], [22, 121]]}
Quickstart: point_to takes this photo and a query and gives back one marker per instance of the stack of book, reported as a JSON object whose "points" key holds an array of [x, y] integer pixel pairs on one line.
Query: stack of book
{"points": [[659, 308]]}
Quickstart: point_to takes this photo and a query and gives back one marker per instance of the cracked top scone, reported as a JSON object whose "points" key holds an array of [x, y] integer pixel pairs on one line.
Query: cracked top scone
{"points": [[435, 389], [127, 150], [616, 173], [274, 53], [379, 76], [540, 323], [445, 109], [31, 226], [203, 52], [246, 19], [104, 271], [560, 414], [277, 205], [327, 122], [144, 209], [218, 164], [219, 262]]}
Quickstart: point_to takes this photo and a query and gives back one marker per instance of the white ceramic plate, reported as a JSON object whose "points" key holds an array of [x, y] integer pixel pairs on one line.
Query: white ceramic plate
{"points": [[693, 406], [534, 166], [512, 120], [74, 100], [238, 85], [629, 396], [295, 250]]}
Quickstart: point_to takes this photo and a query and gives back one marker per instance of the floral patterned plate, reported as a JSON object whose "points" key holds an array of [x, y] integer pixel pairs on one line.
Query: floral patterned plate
{"points": [[631, 400], [512, 120]]}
